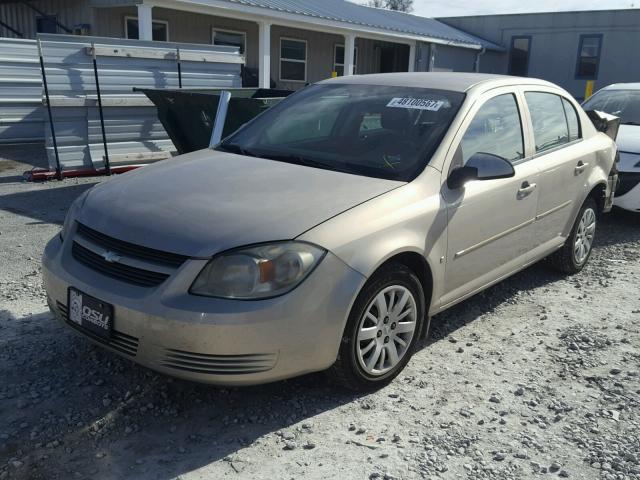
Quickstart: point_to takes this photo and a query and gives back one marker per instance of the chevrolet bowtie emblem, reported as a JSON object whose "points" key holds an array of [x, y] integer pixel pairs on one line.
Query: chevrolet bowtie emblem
{"points": [[111, 257]]}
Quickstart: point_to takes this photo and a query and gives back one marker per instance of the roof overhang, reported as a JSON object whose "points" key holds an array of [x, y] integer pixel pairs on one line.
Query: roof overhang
{"points": [[258, 14]]}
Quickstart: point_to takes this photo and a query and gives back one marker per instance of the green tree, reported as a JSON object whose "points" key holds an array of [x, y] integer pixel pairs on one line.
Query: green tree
{"points": [[398, 5]]}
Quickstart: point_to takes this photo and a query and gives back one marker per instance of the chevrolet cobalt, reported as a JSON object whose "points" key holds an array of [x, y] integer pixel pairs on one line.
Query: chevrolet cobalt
{"points": [[326, 232]]}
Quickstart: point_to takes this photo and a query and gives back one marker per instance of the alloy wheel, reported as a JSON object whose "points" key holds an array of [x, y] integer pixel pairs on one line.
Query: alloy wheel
{"points": [[386, 330], [584, 236]]}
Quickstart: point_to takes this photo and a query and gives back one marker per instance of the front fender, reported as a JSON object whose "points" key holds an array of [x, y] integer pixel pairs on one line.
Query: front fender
{"points": [[411, 218]]}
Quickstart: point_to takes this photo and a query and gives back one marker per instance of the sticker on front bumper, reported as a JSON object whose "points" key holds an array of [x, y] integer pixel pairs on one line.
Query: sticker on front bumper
{"points": [[75, 307]]}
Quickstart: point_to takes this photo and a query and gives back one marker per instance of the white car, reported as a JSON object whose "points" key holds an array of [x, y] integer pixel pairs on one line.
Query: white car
{"points": [[623, 100]]}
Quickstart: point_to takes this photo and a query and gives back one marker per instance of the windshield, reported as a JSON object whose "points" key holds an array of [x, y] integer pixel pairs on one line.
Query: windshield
{"points": [[621, 103], [378, 131]]}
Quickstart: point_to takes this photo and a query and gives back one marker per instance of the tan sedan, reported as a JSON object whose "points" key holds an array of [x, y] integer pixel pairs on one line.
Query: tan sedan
{"points": [[326, 232]]}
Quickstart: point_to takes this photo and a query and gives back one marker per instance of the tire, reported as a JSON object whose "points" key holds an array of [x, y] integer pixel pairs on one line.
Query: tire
{"points": [[392, 281], [569, 259]]}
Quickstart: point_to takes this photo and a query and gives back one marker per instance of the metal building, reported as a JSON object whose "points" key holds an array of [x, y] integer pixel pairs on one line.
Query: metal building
{"points": [[567, 48], [288, 43]]}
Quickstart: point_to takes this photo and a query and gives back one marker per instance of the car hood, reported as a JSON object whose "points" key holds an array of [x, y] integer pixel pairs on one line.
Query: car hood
{"points": [[206, 202], [628, 139]]}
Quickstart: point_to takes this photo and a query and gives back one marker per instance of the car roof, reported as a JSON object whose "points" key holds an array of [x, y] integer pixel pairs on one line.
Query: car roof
{"points": [[452, 81], [623, 86]]}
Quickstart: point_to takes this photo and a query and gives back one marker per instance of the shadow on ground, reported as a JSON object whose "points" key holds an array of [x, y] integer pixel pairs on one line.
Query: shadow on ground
{"points": [[617, 228], [44, 203], [98, 415], [18, 158], [57, 387]]}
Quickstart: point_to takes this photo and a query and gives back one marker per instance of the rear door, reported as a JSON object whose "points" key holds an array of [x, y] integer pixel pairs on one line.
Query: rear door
{"points": [[561, 158], [490, 221]]}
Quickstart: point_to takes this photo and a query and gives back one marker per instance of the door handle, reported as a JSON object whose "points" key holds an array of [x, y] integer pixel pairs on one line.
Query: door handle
{"points": [[581, 166], [526, 188]]}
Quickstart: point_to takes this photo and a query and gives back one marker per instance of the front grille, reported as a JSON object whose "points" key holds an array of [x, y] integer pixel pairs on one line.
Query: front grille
{"points": [[126, 273], [129, 249], [627, 180], [218, 364], [119, 341]]}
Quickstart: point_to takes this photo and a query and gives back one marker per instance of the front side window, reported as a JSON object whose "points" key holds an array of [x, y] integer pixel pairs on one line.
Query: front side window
{"points": [[159, 29], [589, 56], [230, 38], [495, 129], [621, 103], [293, 60], [550, 126], [338, 60], [372, 130], [519, 56]]}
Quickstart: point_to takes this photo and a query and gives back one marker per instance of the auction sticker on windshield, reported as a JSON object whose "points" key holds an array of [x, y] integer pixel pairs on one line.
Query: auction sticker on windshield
{"points": [[416, 103]]}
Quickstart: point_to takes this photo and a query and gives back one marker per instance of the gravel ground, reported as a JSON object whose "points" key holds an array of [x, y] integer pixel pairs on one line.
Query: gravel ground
{"points": [[539, 375]]}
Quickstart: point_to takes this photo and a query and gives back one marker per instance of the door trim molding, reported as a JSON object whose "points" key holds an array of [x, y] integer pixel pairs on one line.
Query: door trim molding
{"points": [[492, 239], [554, 209]]}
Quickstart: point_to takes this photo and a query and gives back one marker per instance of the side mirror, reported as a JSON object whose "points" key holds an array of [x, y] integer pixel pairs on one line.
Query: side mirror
{"points": [[481, 166]]}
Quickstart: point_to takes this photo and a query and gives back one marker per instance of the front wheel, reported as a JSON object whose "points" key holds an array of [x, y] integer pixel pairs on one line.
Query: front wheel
{"points": [[383, 327], [575, 253]]}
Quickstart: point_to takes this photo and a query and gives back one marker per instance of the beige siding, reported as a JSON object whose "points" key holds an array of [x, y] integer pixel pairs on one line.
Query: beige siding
{"points": [[183, 27], [190, 27], [22, 18], [110, 21], [319, 54], [369, 52]]}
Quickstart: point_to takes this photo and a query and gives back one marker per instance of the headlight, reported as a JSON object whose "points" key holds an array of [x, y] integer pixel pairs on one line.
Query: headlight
{"points": [[257, 272], [72, 213]]}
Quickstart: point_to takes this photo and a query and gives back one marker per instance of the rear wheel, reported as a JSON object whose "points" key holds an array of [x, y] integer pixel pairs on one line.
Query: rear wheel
{"points": [[383, 328], [575, 253]]}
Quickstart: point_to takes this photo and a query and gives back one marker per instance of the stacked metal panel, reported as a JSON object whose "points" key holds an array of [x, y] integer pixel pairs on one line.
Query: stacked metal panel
{"points": [[132, 129], [21, 111]]}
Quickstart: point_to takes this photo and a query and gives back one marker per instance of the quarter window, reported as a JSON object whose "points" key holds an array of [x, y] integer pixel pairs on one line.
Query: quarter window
{"points": [[589, 56], [338, 60], [550, 126], [496, 129], [293, 60], [572, 120], [519, 56]]}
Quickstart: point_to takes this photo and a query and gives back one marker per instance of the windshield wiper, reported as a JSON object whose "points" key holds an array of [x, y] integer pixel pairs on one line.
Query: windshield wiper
{"points": [[630, 123], [235, 148], [298, 160]]}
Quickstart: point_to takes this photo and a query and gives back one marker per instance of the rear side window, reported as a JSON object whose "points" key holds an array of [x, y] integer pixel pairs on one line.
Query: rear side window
{"points": [[495, 129], [572, 120], [550, 128]]}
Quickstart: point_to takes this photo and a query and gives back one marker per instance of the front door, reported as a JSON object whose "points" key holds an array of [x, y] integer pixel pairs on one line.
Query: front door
{"points": [[489, 221]]}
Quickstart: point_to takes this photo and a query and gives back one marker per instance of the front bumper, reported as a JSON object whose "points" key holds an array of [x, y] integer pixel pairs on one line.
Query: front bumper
{"points": [[628, 192], [211, 340]]}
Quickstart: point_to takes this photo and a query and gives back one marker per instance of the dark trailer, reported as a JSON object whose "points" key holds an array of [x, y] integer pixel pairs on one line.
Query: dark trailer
{"points": [[197, 118]]}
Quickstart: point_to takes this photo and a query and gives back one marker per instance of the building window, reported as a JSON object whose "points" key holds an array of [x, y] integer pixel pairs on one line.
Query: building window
{"points": [[47, 24], [338, 60], [159, 28], [589, 56], [519, 56], [229, 38], [293, 60]]}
